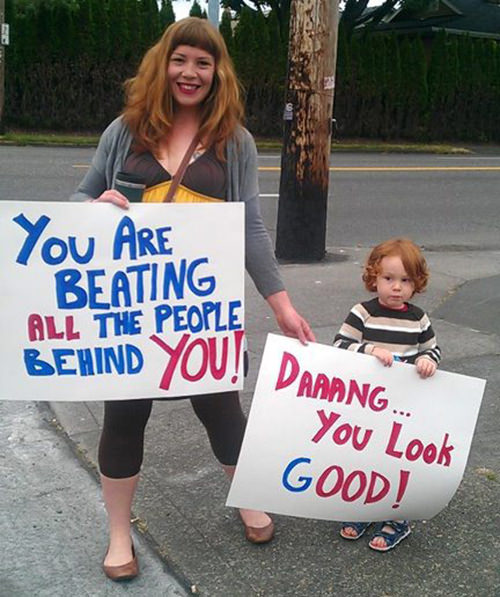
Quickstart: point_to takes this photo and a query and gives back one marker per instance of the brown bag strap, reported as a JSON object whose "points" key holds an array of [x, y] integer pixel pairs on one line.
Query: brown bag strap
{"points": [[176, 180]]}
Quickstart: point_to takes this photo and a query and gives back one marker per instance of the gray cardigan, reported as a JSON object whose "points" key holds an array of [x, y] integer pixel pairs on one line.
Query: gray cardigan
{"points": [[242, 184]]}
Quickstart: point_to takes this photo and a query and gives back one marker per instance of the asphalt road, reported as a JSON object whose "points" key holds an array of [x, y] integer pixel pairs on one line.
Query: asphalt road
{"points": [[443, 201]]}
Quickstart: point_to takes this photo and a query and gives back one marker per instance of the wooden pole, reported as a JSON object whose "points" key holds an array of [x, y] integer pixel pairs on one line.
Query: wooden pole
{"points": [[301, 227], [213, 12]]}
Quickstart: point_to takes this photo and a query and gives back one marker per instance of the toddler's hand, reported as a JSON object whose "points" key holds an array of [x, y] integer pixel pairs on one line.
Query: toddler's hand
{"points": [[426, 367], [383, 355]]}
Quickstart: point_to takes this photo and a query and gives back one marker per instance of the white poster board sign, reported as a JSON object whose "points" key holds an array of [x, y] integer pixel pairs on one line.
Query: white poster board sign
{"points": [[335, 435], [101, 303]]}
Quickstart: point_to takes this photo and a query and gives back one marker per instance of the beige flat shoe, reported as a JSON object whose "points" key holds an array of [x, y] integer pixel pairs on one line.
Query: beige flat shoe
{"points": [[126, 571], [259, 534]]}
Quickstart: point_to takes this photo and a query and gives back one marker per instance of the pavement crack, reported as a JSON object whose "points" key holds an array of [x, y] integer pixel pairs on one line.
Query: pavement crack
{"points": [[51, 491]]}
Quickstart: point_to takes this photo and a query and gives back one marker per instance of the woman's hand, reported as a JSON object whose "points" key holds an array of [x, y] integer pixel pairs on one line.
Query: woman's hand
{"points": [[425, 367], [383, 355], [113, 196], [290, 322]]}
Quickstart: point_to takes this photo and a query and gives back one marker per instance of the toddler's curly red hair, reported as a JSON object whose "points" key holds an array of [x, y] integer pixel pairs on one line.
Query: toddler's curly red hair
{"points": [[410, 255]]}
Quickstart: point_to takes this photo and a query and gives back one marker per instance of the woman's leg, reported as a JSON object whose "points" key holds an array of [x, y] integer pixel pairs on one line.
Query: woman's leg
{"points": [[118, 495], [120, 458], [225, 423], [252, 518]]}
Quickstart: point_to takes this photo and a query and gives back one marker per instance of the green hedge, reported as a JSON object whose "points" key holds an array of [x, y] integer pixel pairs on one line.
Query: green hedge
{"points": [[68, 59]]}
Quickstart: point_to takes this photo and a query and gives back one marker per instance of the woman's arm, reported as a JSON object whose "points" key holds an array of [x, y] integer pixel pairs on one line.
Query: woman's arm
{"points": [[94, 182], [290, 322], [97, 183], [261, 263]]}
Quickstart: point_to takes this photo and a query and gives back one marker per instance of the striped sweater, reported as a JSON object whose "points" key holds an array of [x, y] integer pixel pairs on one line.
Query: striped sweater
{"points": [[407, 334]]}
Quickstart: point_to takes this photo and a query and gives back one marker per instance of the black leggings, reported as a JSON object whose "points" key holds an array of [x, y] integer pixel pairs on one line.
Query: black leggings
{"points": [[121, 447]]}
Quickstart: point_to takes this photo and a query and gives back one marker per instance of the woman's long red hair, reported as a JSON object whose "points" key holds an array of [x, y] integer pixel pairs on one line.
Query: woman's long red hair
{"points": [[149, 106]]}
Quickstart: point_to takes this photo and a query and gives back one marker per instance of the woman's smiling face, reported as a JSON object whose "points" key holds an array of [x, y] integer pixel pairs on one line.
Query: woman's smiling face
{"points": [[190, 74]]}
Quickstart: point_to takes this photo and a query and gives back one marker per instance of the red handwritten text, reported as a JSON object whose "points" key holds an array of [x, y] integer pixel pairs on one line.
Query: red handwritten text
{"points": [[43, 327], [195, 359], [344, 433], [416, 449], [368, 486], [325, 388]]}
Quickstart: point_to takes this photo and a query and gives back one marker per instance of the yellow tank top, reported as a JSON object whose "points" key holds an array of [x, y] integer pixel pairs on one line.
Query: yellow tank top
{"points": [[157, 193]]}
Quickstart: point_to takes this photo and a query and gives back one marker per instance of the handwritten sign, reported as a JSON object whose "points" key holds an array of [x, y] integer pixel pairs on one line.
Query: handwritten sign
{"points": [[101, 303], [335, 435]]}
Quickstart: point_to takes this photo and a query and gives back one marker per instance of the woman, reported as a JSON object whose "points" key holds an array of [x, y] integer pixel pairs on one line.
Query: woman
{"points": [[185, 89]]}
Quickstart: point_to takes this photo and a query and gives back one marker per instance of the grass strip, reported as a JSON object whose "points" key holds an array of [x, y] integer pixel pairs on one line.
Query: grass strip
{"points": [[359, 146]]}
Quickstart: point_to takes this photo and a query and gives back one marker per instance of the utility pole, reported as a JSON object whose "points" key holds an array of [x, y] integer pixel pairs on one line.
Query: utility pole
{"points": [[305, 158], [213, 12], [4, 41]]}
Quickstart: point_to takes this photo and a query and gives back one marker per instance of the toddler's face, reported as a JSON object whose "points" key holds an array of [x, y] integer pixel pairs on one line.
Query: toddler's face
{"points": [[394, 286]]}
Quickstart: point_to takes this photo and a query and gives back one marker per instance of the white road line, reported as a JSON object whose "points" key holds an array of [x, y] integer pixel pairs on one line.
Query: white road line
{"points": [[468, 157]]}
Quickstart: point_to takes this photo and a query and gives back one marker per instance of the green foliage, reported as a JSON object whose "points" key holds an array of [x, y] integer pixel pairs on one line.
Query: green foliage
{"points": [[167, 15], [150, 19], [260, 59], [450, 90], [226, 30], [120, 39], [354, 13], [414, 89], [100, 28], [246, 49], [195, 10], [68, 59], [64, 69], [279, 8]]}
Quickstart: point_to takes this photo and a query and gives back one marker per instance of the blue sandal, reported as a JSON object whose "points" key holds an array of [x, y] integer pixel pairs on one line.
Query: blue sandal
{"points": [[359, 527], [401, 531]]}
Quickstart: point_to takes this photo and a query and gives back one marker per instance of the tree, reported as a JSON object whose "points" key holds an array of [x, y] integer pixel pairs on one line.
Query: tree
{"points": [[196, 10], [120, 44], [167, 15], [100, 25], [353, 13], [226, 30], [281, 9], [151, 21], [246, 49]]}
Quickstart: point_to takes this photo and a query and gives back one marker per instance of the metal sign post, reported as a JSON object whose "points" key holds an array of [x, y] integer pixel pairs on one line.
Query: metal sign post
{"points": [[4, 41]]}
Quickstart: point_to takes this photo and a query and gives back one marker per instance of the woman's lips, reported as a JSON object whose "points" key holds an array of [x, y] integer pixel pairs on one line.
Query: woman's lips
{"points": [[188, 88]]}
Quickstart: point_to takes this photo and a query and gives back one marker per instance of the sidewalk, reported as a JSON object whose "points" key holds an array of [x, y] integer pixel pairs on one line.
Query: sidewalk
{"points": [[53, 523], [53, 520]]}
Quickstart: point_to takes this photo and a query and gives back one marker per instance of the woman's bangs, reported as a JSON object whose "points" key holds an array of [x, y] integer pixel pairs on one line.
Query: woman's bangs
{"points": [[195, 37]]}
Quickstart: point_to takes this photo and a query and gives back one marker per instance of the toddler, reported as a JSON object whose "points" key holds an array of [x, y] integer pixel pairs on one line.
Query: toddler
{"points": [[390, 328]]}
